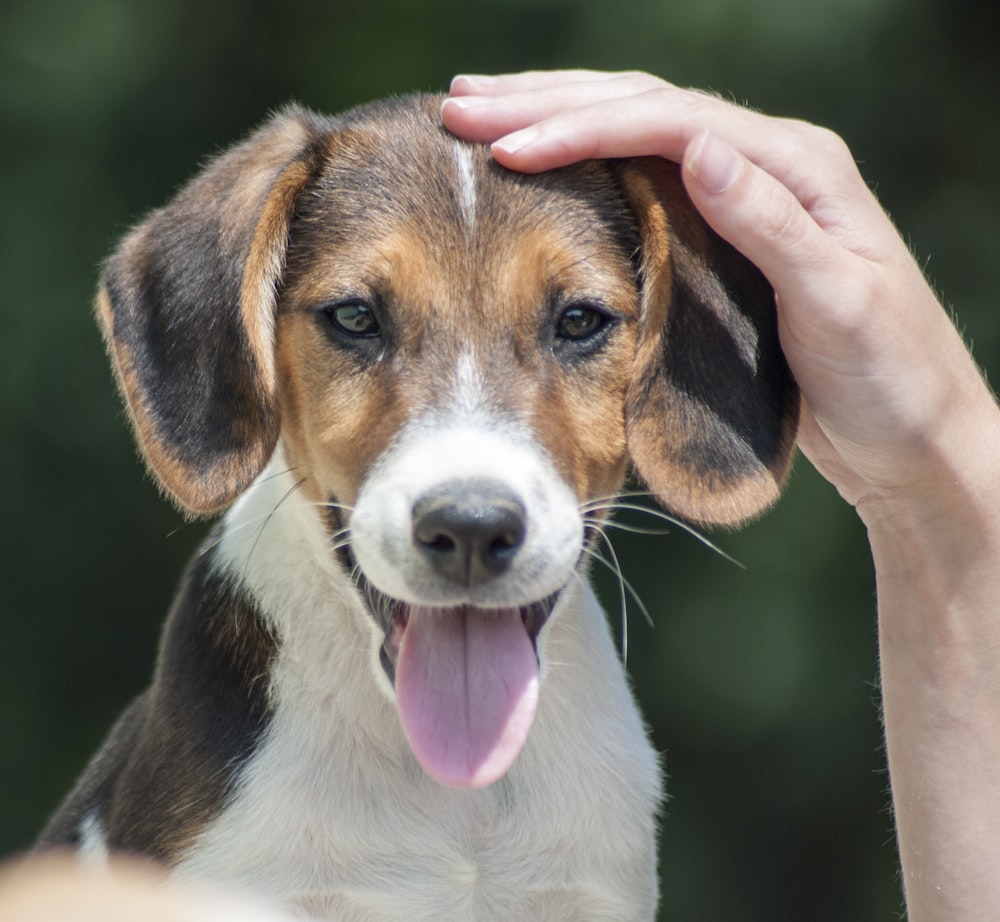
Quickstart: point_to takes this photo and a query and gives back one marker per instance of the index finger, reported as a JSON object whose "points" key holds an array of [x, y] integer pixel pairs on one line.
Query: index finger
{"points": [[535, 130], [541, 129], [535, 80], [490, 111]]}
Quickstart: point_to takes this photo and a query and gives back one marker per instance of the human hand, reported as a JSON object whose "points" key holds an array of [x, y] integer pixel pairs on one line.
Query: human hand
{"points": [[896, 415], [890, 389]]}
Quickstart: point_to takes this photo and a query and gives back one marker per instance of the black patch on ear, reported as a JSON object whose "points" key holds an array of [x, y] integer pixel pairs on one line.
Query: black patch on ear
{"points": [[721, 352], [188, 346], [712, 410], [188, 304]]}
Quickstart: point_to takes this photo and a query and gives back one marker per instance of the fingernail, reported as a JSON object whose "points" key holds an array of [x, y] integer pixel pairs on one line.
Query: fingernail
{"points": [[467, 82], [713, 163], [468, 102], [512, 143]]}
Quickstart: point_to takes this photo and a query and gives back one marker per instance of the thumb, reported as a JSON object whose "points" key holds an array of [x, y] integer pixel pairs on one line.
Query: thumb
{"points": [[763, 219]]}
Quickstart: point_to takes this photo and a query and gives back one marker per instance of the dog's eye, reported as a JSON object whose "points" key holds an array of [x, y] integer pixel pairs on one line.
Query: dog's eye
{"points": [[579, 322], [355, 318]]}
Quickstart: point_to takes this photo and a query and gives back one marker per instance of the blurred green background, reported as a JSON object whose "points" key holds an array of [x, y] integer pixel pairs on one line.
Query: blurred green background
{"points": [[759, 684]]}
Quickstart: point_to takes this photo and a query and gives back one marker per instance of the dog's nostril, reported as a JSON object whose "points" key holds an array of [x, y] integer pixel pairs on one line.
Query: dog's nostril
{"points": [[469, 531], [439, 544], [505, 544]]}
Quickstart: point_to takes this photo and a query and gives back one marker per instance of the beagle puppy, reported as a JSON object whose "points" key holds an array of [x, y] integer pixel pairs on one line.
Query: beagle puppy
{"points": [[413, 381]]}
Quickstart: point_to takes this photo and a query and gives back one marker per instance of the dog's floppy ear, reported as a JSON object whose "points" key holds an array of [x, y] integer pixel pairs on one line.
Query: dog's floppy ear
{"points": [[712, 409], [187, 309]]}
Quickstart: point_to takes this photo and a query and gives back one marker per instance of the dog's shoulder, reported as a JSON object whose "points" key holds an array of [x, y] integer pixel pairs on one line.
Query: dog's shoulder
{"points": [[170, 762]]}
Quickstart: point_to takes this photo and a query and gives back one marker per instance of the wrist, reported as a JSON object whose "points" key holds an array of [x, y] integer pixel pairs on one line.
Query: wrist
{"points": [[936, 547], [944, 484], [947, 520], [935, 531]]}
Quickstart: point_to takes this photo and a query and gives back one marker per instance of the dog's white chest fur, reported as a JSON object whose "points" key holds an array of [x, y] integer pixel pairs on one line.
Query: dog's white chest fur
{"points": [[335, 815]]}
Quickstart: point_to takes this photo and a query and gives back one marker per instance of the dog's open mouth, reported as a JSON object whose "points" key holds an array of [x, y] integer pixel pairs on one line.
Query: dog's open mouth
{"points": [[466, 682]]}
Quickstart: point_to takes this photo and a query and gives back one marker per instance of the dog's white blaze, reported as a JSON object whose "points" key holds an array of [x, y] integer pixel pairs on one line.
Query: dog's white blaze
{"points": [[466, 183], [468, 396], [93, 845]]}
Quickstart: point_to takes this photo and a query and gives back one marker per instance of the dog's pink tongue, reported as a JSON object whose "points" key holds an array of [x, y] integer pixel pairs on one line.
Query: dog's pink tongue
{"points": [[467, 687]]}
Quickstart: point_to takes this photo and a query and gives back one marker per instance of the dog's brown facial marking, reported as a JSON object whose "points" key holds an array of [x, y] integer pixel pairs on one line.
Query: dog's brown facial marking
{"points": [[342, 402], [577, 410], [463, 288]]}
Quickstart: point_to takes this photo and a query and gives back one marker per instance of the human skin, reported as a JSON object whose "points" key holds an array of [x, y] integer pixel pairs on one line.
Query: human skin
{"points": [[896, 416]]}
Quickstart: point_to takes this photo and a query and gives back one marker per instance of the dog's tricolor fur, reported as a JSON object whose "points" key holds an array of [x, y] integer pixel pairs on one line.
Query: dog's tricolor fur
{"points": [[416, 378]]}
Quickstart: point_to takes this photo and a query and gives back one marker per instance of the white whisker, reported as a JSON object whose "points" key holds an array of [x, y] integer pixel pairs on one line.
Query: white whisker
{"points": [[625, 587], [615, 568], [614, 505], [264, 517], [597, 514], [257, 483], [635, 529], [267, 520]]}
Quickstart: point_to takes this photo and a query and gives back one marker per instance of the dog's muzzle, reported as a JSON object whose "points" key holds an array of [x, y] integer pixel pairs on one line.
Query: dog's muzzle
{"points": [[466, 677]]}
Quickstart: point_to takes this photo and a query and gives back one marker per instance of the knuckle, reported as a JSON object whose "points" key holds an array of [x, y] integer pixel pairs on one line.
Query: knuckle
{"points": [[641, 79], [784, 222], [833, 145], [819, 140]]}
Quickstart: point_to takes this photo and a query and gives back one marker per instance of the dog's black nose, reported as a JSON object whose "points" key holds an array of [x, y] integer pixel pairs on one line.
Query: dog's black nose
{"points": [[469, 530]]}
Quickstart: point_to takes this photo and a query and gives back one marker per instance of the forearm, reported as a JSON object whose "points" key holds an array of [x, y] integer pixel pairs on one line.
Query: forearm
{"points": [[937, 557]]}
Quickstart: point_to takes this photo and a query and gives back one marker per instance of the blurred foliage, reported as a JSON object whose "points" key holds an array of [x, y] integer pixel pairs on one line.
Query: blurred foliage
{"points": [[759, 683]]}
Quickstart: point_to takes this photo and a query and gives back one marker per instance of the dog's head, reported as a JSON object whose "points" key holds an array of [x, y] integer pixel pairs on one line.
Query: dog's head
{"points": [[459, 363]]}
